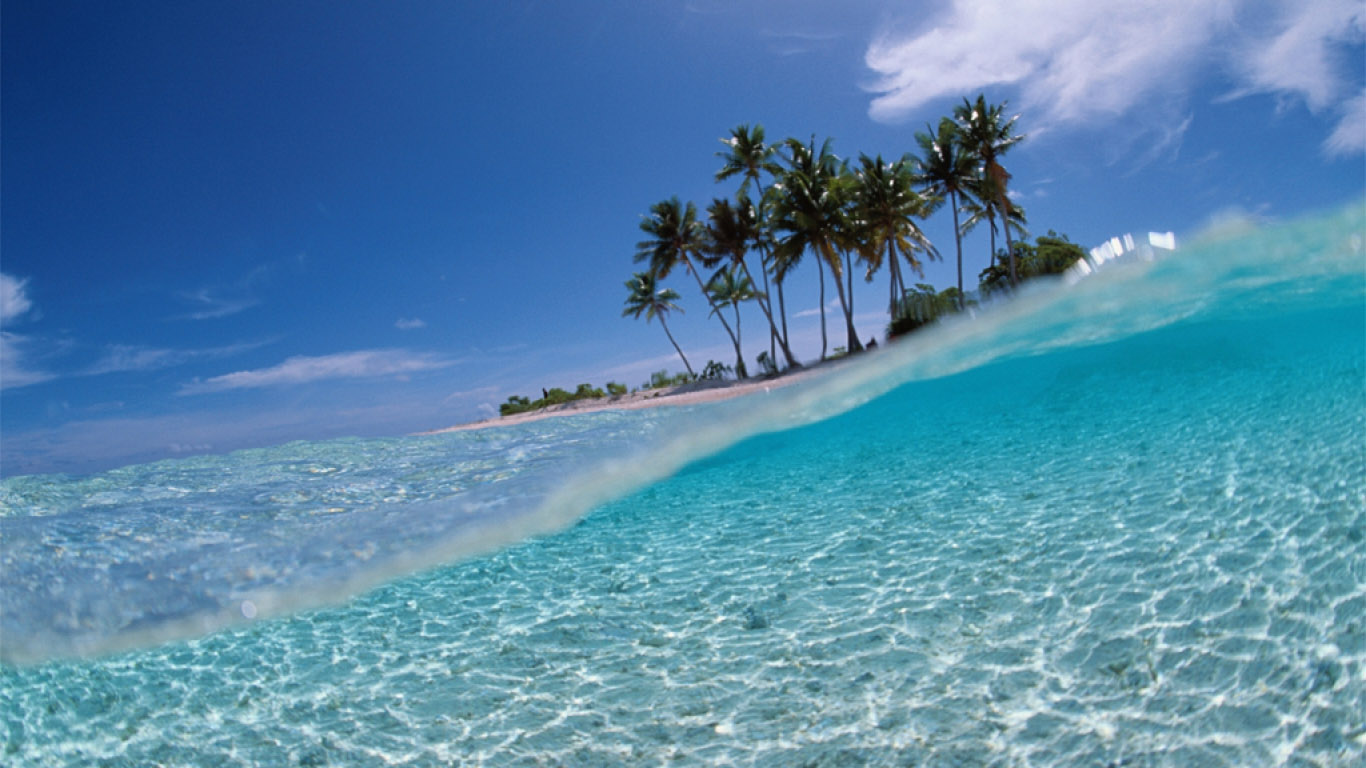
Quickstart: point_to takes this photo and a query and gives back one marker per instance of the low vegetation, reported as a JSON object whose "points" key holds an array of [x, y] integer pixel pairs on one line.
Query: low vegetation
{"points": [[557, 396]]}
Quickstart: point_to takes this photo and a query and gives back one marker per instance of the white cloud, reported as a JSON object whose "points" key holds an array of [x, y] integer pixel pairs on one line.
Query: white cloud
{"points": [[213, 306], [1076, 61], [1349, 138], [301, 370], [14, 299], [408, 324], [833, 305], [1299, 56], [127, 357], [14, 369]]}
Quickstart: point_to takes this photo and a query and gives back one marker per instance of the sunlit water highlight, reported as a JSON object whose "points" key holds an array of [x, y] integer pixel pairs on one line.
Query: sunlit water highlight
{"points": [[1117, 523]]}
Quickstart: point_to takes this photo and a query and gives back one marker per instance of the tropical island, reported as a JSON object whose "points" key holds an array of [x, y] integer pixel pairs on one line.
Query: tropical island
{"points": [[846, 216]]}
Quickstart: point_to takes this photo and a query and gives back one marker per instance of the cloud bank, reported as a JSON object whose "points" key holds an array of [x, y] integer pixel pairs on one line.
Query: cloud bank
{"points": [[1076, 61], [302, 370]]}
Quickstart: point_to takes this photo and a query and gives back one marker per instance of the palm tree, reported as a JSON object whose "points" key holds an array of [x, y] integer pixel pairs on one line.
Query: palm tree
{"points": [[811, 210], [984, 133], [747, 155], [647, 298], [945, 169], [886, 205], [729, 286], [676, 237], [982, 204], [731, 231]]}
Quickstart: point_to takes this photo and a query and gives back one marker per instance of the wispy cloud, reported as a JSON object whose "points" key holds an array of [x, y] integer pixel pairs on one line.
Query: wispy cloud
{"points": [[127, 357], [798, 42], [1349, 137], [210, 305], [1077, 61], [832, 305], [222, 301], [408, 324], [302, 370], [15, 369], [14, 300]]}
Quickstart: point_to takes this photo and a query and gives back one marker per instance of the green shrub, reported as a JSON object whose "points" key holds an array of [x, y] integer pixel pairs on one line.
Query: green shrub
{"points": [[616, 390], [714, 371], [766, 365], [588, 391], [516, 404]]}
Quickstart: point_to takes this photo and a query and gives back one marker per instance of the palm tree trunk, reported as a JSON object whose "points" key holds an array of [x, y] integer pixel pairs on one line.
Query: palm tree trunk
{"points": [[740, 372], [991, 220], [820, 269], [1002, 178], [1010, 250], [891, 280], [782, 313], [715, 310], [766, 305], [677, 348], [958, 240], [852, 344]]}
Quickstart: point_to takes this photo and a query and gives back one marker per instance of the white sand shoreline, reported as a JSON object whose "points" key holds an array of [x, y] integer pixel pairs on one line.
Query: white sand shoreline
{"points": [[682, 394]]}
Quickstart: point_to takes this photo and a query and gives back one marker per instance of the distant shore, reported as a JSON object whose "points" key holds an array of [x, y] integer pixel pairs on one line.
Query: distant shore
{"points": [[683, 394]]}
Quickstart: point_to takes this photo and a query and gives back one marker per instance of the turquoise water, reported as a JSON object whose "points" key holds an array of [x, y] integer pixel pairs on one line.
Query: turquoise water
{"points": [[1116, 523]]}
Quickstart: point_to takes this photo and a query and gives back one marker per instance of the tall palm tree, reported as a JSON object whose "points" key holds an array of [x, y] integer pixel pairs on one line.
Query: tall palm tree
{"points": [[811, 210], [729, 286], [946, 170], [676, 238], [647, 298], [886, 205], [984, 133], [732, 229], [747, 155]]}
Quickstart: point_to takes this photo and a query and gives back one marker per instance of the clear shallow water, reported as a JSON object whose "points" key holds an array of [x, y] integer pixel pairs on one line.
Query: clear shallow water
{"points": [[1127, 530]]}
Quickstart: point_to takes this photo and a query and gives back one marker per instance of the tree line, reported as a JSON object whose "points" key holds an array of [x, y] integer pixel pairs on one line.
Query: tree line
{"points": [[840, 214]]}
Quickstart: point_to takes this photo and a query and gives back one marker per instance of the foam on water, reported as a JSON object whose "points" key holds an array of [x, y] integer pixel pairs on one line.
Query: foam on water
{"points": [[1117, 523]]}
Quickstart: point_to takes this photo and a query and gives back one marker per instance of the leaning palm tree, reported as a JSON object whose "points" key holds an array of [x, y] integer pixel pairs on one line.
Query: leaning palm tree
{"points": [[946, 170], [732, 229], [985, 134], [677, 238], [810, 209], [982, 204], [729, 286], [647, 298], [886, 204], [747, 155]]}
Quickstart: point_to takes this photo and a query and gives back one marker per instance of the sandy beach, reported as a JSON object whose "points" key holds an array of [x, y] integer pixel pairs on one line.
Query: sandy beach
{"points": [[683, 394]]}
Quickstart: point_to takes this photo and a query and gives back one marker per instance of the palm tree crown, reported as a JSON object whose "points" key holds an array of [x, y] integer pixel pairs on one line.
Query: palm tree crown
{"points": [[985, 134], [946, 170], [675, 237], [811, 207], [647, 298], [886, 205], [747, 155]]}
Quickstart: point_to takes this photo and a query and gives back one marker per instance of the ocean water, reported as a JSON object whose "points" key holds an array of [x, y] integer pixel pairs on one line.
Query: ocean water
{"points": [[1119, 521]]}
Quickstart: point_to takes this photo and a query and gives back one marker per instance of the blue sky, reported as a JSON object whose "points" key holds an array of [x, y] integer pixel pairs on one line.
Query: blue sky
{"points": [[236, 224]]}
